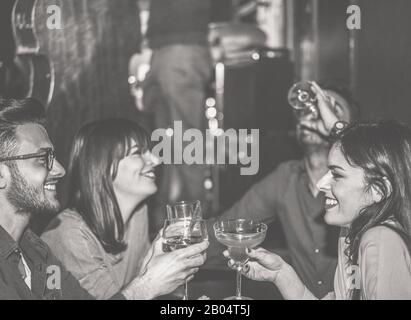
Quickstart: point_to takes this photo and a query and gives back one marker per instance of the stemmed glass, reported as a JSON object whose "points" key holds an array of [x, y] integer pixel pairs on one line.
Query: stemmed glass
{"points": [[238, 235], [181, 233], [302, 98]]}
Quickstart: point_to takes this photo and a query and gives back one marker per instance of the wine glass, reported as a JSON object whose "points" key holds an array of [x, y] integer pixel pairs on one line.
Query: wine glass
{"points": [[184, 210], [181, 233], [302, 99], [238, 235]]}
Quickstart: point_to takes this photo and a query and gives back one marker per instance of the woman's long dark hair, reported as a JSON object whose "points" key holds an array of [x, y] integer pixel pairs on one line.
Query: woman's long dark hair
{"points": [[383, 151], [96, 152]]}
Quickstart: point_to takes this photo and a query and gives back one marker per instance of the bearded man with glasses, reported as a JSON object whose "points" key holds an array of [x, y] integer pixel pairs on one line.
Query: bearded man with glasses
{"points": [[39, 196]]}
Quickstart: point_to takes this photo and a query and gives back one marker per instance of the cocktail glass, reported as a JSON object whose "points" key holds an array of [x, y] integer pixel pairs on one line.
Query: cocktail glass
{"points": [[239, 235]]}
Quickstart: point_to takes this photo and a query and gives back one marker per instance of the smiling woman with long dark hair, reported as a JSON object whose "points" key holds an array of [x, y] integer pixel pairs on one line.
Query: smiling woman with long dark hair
{"points": [[102, 238], [368, 195], [387, 167], [96, 183]]}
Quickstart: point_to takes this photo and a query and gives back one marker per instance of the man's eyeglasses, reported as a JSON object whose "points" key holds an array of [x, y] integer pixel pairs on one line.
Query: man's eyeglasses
{"points": [[47, 155]]}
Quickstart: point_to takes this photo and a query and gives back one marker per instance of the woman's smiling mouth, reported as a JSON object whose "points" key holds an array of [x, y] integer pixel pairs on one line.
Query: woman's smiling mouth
{"points": [[330, 203], [149, 174]]}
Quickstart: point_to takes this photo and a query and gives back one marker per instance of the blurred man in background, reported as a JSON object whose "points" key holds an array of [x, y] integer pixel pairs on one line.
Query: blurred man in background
{"points": [[175, 87]]}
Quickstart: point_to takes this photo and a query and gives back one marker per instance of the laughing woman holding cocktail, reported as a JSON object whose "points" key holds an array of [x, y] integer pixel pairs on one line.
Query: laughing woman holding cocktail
{"points": [[368, 194], [102, 238]]}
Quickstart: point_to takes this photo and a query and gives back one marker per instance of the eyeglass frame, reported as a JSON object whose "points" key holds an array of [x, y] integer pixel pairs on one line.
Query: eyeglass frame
{"points": [[48, 154]]}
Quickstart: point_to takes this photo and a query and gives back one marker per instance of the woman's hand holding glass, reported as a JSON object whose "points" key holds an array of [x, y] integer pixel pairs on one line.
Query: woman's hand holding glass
{"points": [[162, 273], [262, 266], [156, 249], [267, 266], [183, 233]]}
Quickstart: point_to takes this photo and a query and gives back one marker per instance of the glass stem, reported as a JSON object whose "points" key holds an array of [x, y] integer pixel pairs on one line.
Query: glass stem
{"points": [[238, 294], [185, 297]]}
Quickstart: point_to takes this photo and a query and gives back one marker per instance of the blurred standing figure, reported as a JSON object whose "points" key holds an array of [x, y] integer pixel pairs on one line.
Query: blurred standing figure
{"points": [[176, 84]]}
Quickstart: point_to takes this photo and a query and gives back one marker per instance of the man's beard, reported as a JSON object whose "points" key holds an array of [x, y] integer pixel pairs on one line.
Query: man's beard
{"points": [[28, 199]]}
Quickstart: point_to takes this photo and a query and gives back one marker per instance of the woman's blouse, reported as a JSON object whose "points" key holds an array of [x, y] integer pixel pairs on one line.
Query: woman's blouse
{"points": [[100, 273], [383, 272]]}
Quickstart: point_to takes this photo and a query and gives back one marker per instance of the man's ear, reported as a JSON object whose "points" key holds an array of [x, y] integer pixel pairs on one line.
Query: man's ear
{"points": [[4, 175], [376, 192]]}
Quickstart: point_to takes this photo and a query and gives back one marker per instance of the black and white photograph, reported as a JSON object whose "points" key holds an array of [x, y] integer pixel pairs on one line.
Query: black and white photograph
{"points": [[218, 151]]}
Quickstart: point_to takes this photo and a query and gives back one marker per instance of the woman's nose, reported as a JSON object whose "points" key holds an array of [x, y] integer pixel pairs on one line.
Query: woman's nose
{"points": [[324, 184], [151, 159]]}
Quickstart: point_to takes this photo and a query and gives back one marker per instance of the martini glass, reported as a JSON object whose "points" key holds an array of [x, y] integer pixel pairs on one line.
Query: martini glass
{"points": [[239, 235]]}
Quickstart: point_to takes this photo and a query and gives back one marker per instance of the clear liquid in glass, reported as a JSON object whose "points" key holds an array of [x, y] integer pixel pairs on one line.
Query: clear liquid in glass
{"points": [[237, 244], [180, 242]]}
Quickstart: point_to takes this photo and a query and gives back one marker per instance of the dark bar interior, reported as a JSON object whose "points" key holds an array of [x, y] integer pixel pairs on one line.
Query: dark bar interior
{"points": [[309, 97]]}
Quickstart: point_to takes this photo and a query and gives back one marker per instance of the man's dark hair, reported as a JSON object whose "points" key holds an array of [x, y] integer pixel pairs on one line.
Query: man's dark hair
{"points": [[345, 93], [14, 113]]}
